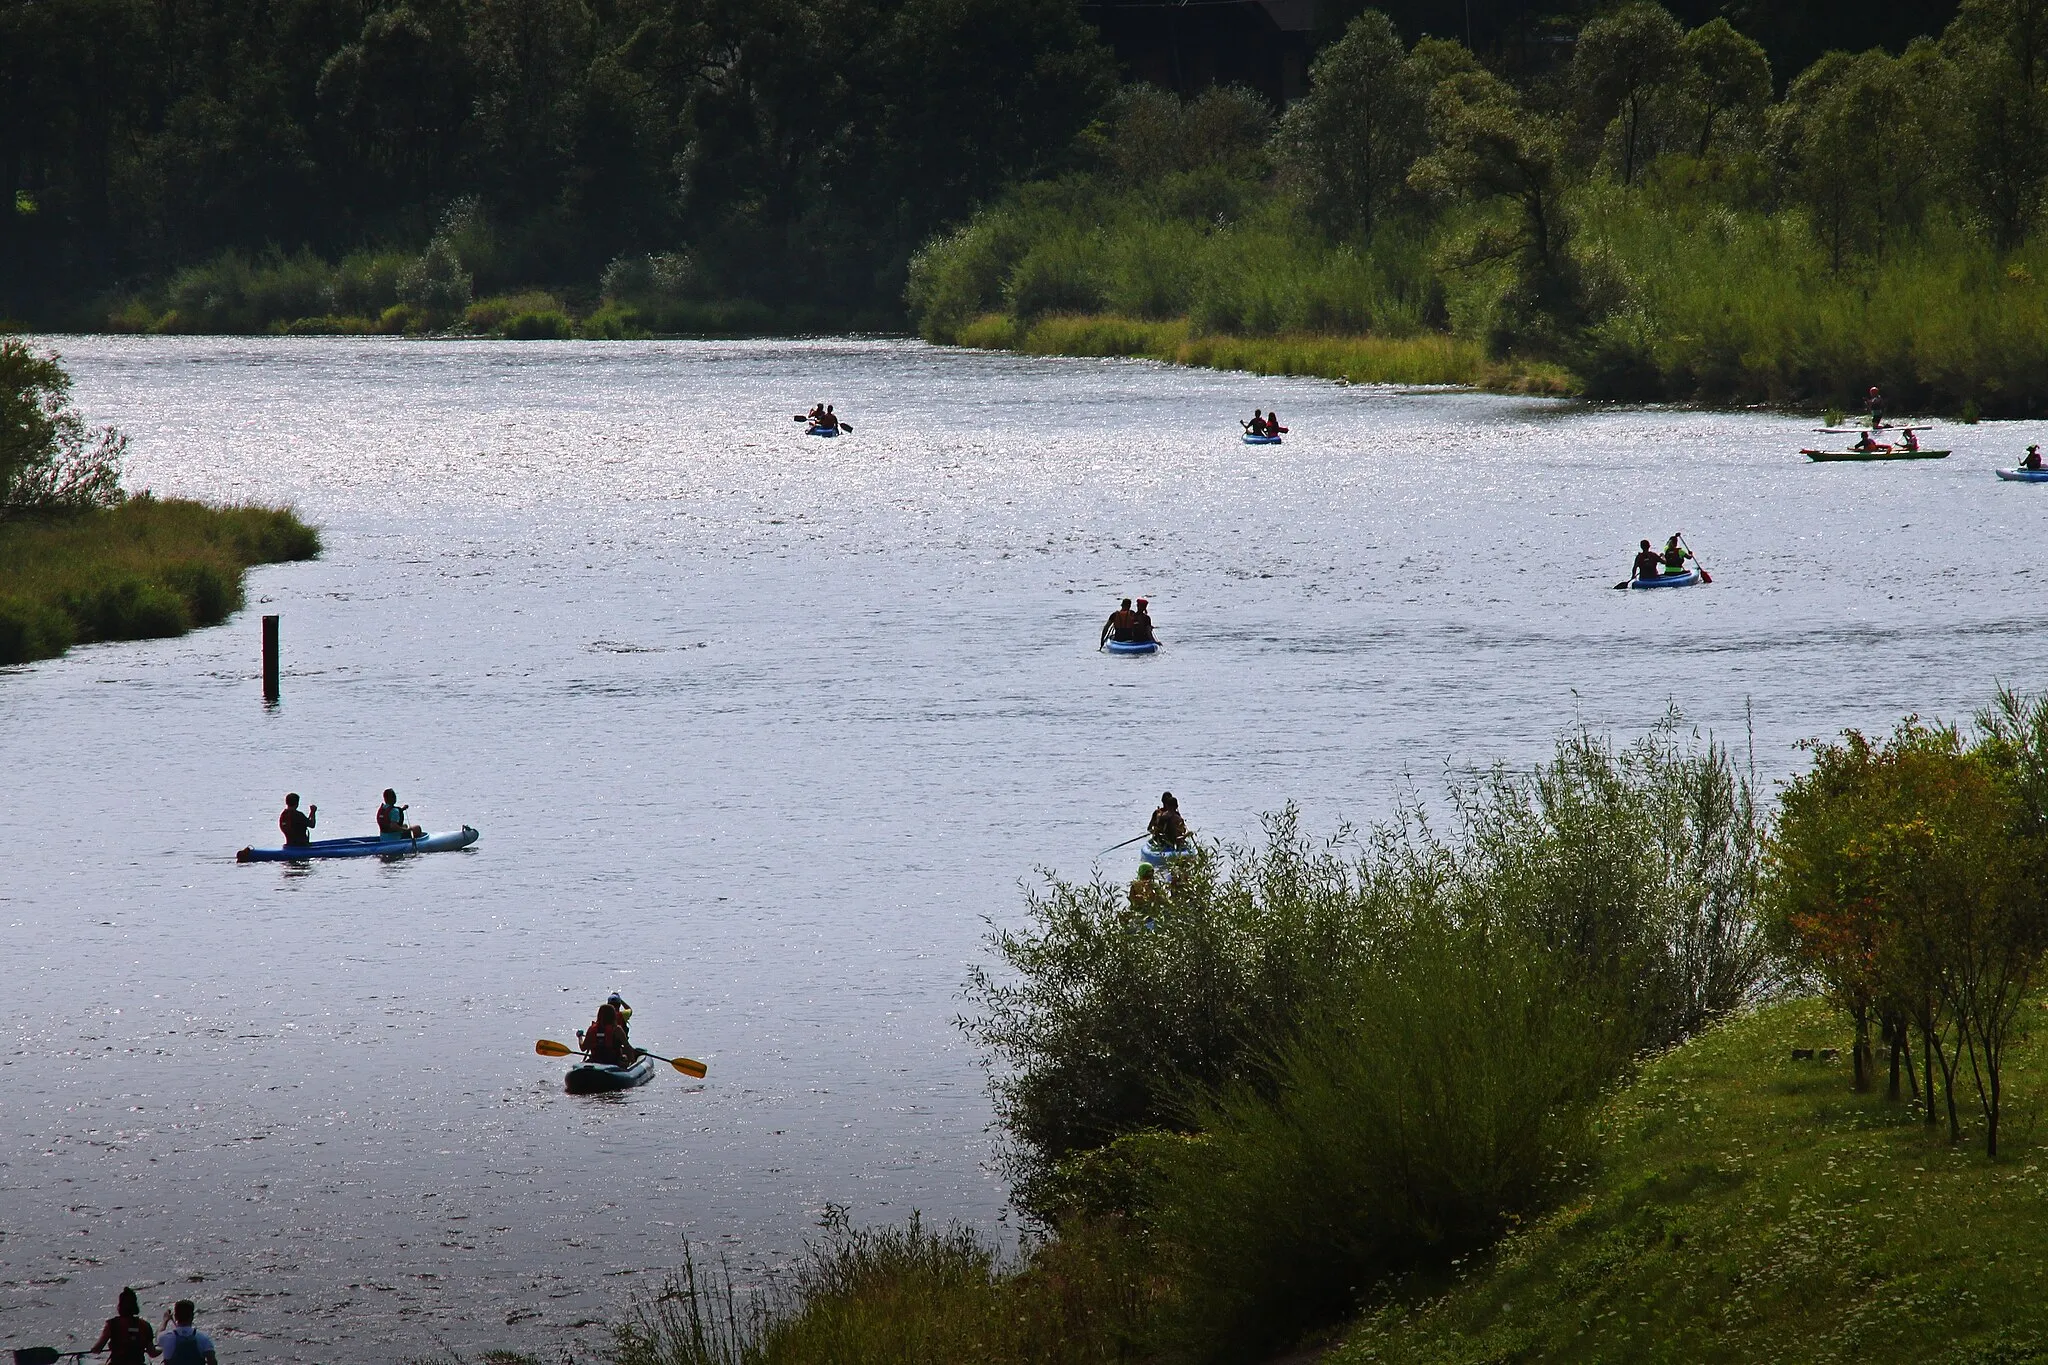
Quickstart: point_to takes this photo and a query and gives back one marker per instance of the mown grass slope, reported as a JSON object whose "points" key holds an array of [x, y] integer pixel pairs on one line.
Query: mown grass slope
{"points": [[146, 569], [1749, 1207]]}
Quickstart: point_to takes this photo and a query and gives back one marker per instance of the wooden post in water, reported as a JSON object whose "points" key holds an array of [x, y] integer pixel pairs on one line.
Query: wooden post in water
{"points": [[270, 689]]}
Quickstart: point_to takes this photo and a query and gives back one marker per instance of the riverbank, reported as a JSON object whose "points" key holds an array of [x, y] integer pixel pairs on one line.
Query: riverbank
{"points": [[150, 568], [1747, 1206], [1413, 361]]}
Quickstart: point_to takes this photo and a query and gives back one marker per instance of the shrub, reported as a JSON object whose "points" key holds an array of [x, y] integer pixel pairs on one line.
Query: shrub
{"points": [[32, 630], [49, 458], [544, 325], [1636, 867]]}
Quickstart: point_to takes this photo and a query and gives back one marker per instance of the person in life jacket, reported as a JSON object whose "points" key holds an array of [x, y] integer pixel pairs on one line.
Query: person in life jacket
{"points": [[2033, 460], [391, 819], [1143, 626], [1167, 828], [1273, 427], [1649, 564], [1876, 408], [1122, 625], [605, 1040], [1257, 426], [184, 1344], [1675, 556], [296, 823], [625, 1011], [126, 1338]]}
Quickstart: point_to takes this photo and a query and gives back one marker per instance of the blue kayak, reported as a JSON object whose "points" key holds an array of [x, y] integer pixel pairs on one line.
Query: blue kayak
{"points": [[1132, 646], [821, 431], [1252, 440], [594, 1078], [2022, 475], [362, 846], [1668, 580], [1160, 857]]}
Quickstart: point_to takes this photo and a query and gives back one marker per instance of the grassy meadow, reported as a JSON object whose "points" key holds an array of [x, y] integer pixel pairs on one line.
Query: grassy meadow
{"points": [[146, 569]]}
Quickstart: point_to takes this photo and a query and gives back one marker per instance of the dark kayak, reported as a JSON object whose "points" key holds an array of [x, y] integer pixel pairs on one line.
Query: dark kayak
{"points": [[1161, 857], [594, 1078], [1867, 455], [1132, 646], [362, 846], [2022, 475], [1667, 580]]}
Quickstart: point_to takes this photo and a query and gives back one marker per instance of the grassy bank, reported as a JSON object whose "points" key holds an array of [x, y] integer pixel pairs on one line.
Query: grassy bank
{"points": [[1424, 359], [144, 570], [1750, 1207], [1746, 1207]]}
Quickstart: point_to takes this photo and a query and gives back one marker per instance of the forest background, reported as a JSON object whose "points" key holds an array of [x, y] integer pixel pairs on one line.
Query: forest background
{"points": [[1725, 203]]}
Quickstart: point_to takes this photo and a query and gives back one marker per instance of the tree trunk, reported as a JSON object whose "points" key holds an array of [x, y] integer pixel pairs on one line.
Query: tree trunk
{"points": [[1859, 1051], [1894, 1031]]}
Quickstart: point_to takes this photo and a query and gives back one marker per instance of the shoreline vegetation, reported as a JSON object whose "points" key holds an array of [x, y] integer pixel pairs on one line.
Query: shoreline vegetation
{"points": [[150, 568], [1621, 1060], [1422, 361], [82, 561]]}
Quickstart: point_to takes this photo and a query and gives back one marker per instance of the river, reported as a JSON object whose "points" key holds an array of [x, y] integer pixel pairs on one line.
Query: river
{"points": [[759, 730]]}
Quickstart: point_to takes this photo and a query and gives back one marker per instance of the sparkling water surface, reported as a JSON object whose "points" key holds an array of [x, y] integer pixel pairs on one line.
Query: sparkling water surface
{"points": [[758, 729]]}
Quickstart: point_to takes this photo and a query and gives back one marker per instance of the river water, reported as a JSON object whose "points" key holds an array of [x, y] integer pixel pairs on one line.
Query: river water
{"points": [[759, 730]]}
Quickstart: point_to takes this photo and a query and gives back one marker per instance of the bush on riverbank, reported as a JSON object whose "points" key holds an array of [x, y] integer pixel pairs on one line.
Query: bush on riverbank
{"points": [[146, 569]]}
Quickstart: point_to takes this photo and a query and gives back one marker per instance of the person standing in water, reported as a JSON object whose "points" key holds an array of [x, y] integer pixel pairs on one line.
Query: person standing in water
{"points": [[126, 1338]]}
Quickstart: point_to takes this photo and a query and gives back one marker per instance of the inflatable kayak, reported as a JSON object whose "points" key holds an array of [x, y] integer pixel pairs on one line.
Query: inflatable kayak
{"points": [[821, 431], [1252, 440], [1132, 646], [1866, 455], [1668, 580], [2022, 475], [363, 846], [594, 1078], [1160, 857]]}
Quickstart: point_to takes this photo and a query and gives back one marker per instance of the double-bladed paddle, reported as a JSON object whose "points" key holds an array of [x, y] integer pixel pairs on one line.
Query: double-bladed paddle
{"points": [[549, 1048], [1125, 844], [42, 1355]]}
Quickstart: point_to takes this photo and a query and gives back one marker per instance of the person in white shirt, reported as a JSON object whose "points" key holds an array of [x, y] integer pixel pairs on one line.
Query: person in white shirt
{"points": [[184, 1344]]}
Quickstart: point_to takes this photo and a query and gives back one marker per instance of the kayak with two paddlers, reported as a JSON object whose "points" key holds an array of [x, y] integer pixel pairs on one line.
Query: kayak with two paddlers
{"points": [[395, 836], [1676, 566]]}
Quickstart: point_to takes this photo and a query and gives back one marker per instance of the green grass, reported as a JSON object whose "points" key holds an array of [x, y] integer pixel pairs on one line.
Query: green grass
{"points": [[145, 570], [1429, 358], [1751, 1208]]}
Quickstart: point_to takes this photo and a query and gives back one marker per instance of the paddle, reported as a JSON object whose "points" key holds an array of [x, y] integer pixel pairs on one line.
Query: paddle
{"points": [[1126, 843], [549, 1048], [42, 1355], [846, 427], [1705, 577]]}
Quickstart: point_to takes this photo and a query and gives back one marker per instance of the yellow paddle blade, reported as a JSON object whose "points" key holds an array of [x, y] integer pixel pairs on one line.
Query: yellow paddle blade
{"points": [[548, 1048], [688, 1067]]}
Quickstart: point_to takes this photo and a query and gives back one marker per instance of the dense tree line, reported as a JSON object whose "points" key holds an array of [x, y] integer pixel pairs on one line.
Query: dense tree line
{"points": [[797, 148], [791, 152], [1662, 212]]}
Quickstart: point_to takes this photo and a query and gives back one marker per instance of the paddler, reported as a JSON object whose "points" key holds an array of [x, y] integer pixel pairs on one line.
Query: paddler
{"points": [[1167, 828], [605, 1040], [1649, 564], [1876, 408], [1674, 557], [1122, 625], [1864, 445], [1257, 426], [2033, 460], [1144, 623], [296, 823], [391, 819]]}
